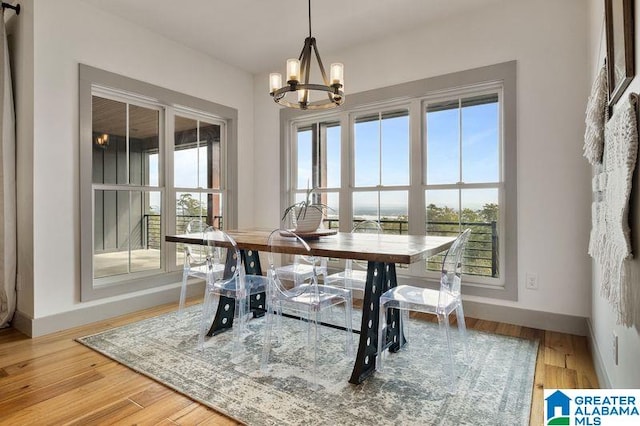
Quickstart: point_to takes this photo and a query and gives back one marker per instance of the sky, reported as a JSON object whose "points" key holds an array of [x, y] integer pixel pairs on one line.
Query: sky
{"points": [[189, 171], [381, 150]]}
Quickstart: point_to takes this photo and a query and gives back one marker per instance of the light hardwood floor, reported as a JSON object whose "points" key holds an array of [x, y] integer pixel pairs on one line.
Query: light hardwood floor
{"points": [[55, 380]]}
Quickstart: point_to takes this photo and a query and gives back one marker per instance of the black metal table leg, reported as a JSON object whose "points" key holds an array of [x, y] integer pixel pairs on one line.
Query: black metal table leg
{"points": [[368, 343], [394, 335], [223, 319], [251, 261], [380, 277]]}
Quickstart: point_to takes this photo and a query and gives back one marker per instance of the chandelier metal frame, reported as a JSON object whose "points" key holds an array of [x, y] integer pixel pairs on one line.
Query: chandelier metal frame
{"points": [[301, 85]]}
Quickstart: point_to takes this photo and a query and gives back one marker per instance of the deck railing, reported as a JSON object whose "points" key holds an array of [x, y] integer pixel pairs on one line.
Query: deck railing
{"points": [[481, 256], [152, 226]]}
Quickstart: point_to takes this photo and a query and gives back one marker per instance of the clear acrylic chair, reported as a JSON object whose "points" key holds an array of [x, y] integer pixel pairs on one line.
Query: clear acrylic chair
{"points": [[301, 269], [196, 257], [354, 276], [307, 299], [441, 302], [231, 284]]}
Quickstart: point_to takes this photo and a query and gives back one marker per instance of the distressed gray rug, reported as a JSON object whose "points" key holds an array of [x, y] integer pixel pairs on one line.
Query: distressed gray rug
{"points": [[493, 388]]}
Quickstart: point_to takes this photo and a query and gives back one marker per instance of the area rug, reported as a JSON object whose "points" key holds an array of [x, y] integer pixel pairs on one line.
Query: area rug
{"points": [[494, 387]]}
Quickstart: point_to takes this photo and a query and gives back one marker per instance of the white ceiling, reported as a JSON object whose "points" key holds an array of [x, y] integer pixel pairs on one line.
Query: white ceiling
{"points": [[259, 35]]}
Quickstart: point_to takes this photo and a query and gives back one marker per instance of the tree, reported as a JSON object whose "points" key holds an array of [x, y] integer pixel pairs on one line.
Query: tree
{"points": [[470, 216], [189, 206], [489, 212], [441, 214]]}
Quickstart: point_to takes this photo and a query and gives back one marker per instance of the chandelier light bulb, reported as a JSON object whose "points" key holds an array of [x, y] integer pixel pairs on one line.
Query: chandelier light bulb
{"points": [[275, 81], [293, 70], [337, 73]]}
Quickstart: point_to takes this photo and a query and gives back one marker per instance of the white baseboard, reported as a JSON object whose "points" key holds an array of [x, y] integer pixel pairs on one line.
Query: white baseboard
{"points": [[35, 327], [598, 363], [22, 323], [65, 320], [528, 318]]}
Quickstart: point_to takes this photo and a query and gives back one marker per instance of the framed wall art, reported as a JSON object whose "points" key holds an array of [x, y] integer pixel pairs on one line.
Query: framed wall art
{"points": [[620, 49]]}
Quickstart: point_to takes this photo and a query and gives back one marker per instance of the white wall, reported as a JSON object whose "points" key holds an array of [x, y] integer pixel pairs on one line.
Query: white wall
{"points": [[68, 32], [548, 39], [20, 30], [603, 318]]}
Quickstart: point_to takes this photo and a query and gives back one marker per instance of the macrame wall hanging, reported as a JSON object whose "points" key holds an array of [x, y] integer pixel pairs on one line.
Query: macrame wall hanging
{"points": [[610, 240], [596, 117]]}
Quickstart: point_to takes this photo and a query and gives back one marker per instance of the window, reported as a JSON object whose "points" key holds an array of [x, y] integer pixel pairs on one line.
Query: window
{"points": [[125, 146], [197, 173], [381, 168], [317, 157], [463, 180], [147, 168], [437, 159]]}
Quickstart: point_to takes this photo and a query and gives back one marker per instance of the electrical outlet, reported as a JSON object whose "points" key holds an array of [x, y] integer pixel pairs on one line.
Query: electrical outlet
{"points": [[531, 281], [614, 348]]}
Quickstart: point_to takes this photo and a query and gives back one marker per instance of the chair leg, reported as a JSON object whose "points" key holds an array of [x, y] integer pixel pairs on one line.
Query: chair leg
{"points": [[266, 347], [462, 328], [207, 314], [403, 326], [443, 322], [239, 328], [278, 319], [310, 330], [348, 318], [316, 336], [183, 290]]}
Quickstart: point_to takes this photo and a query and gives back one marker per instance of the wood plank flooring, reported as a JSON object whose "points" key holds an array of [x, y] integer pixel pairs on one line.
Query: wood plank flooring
{"points": [[53, 380]]}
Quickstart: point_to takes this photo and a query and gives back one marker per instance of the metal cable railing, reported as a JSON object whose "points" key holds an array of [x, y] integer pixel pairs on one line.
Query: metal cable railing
{"points": [[481, 256]]}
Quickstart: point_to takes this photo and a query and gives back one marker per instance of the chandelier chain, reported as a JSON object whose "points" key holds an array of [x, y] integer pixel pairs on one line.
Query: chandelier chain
{"points": [[309, 18]]}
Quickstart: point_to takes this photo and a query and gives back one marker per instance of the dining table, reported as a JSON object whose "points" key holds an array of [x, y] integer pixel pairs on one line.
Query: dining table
{"points": [[381, 252]]}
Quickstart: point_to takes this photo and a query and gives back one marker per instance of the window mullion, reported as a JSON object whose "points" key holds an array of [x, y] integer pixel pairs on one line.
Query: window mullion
{"points": [[126, 144], [128, 182], [379, 155], [417, 211], [316, 159], [168, 201], [380, 160], [460, 183], [198, 183], [345, 215], [293, 173], [129, 207]]}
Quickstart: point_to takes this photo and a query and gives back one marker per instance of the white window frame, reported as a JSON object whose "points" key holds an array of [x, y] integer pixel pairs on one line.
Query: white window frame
{"points": [[478, 90], [500, 79], [173, 190], [101, 83], [105, 93], [379, 188]]}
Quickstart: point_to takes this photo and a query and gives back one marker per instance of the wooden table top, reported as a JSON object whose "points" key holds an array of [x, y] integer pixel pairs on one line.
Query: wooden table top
{"points": [[345, 245]]}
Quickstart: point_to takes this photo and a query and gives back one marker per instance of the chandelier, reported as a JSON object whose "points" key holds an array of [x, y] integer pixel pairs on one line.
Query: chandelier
{"points": [[298, 71]]}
